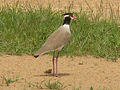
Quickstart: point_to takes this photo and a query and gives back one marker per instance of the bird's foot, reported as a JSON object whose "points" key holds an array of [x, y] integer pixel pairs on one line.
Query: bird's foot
{"points": [[53, 74], [56, 75]]}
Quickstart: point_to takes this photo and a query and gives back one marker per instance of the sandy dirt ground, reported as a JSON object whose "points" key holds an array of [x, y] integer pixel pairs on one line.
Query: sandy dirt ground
{"points": [[82, 72]]}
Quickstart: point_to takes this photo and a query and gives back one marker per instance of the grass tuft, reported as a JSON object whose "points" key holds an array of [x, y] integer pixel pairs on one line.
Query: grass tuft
{"points": [[54, 85], [50, 84], [8, 81]]}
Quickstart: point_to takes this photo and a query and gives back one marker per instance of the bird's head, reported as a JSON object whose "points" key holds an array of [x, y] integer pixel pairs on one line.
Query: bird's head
{"points": [[69, 15]]}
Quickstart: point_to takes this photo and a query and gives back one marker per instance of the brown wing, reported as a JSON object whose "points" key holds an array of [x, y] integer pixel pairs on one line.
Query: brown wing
{"points": [[57, 39]]}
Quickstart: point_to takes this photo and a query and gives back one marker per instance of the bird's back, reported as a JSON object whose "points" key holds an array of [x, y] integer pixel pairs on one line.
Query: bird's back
{"points": [[56, 40]]}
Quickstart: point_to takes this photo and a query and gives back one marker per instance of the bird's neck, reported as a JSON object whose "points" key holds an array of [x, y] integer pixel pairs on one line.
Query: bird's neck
{"points": [[67, 21], [66, 26]]}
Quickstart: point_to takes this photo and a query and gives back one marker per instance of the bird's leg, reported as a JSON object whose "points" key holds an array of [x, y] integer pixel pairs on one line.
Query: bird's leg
{"points": [[56, 63], [53, 63]]}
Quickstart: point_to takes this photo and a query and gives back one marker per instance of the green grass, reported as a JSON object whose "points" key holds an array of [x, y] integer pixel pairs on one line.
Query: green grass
{"points": [[24, 30], [8, 81], [57, 85], [49, 84], [36, 85]]}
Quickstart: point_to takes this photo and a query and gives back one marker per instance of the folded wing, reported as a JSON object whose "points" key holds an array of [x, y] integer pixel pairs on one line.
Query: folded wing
{"points": [[56, 40]]}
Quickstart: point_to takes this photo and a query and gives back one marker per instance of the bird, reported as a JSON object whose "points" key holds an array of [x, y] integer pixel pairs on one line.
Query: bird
{"points": [[57, 40]]}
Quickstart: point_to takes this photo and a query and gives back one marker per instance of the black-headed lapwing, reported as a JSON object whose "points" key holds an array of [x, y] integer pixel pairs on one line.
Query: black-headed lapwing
{"points": [[57, 40]]}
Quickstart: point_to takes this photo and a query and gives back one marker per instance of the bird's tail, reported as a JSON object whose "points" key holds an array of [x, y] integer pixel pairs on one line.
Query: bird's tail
{"points": [[41, 51]]}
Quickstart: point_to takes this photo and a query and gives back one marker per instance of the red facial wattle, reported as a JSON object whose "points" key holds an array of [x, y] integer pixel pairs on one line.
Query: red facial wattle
{"points": [[74, 16]]}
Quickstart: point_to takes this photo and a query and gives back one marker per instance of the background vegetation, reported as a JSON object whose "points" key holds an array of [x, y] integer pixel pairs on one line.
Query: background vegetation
{"points": [[24, 30]]}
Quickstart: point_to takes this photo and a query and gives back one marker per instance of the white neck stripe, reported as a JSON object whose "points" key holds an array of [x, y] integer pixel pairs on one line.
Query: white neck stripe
{"points": [[66, 16]]}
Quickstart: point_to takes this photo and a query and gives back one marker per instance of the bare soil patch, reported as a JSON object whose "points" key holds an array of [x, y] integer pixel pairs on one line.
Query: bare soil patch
{"points": [[82, 72]]}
